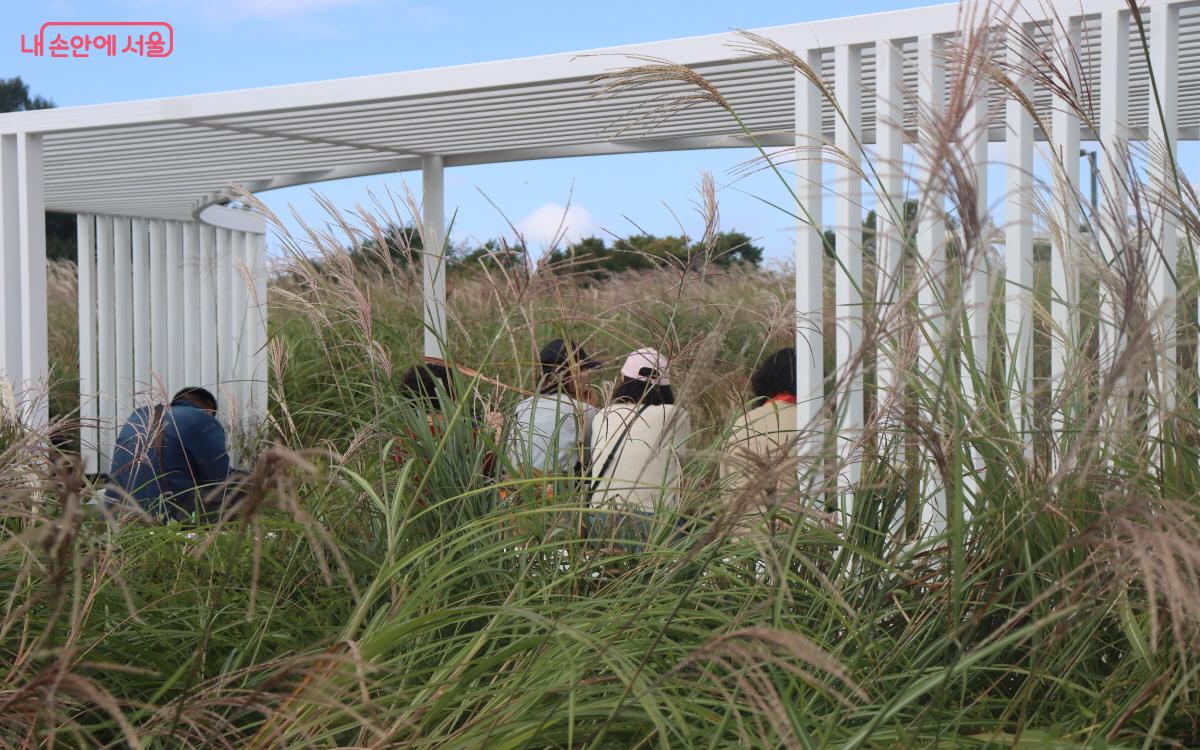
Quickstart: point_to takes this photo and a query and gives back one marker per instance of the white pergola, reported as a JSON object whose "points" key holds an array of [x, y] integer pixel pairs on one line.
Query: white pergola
{"points": [[171, 284]]}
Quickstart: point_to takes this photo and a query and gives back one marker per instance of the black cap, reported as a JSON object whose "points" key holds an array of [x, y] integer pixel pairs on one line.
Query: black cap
{"points": [[558, 354]]}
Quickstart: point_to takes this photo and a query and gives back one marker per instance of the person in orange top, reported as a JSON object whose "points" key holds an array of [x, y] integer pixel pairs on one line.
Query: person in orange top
{"points": [[754, 464]]}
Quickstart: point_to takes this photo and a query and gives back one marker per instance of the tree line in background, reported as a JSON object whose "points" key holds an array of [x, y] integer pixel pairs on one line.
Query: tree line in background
{"points": [[591, 257]]}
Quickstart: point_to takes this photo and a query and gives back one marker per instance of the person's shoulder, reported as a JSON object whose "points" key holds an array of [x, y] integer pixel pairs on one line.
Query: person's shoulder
{"points": [[773, 416], [187, 416]]}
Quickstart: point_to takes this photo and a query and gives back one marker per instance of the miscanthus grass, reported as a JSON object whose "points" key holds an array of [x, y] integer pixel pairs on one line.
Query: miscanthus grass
{"points": [[376, 590]]}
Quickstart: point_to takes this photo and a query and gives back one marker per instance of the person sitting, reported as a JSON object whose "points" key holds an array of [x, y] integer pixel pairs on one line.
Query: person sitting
{"points": [[638, 440], [550, 432], [755, 454], [425, 385], [172, 459]]}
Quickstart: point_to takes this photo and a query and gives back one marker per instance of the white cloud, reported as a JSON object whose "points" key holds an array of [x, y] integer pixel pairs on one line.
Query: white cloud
{"points": [[554, 224]]}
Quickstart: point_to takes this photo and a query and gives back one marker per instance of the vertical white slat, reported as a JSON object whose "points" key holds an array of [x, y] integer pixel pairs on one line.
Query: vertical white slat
{"points": [[433, 261], [1064, 269], [249, 284], [931, 237], [35, 358], [89, 435], [249, 321], [10, 266], [123, 302], [1163, 119], [810, 260], [239, 310], [180, 283], [890, 240], [1018, 234], [206, 308], [223, 269], [258, 351], [978, 297], [1114, 134], [106, 337], [931, 232], [889, 243], [160, 362], [141, 307], [192, 274], [848, 85]]}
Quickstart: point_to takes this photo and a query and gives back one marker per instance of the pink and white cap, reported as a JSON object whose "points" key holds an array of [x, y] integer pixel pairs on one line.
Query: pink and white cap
{"points": [[646, 365]]}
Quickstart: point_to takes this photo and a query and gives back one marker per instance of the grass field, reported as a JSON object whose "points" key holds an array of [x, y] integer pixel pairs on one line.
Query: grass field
{"points": [[360, 600]]}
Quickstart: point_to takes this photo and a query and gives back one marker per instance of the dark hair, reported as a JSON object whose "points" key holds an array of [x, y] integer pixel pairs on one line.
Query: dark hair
{"points": [[559, 380], [775, 376], [633, 391], [196, 396], [421, 381]]}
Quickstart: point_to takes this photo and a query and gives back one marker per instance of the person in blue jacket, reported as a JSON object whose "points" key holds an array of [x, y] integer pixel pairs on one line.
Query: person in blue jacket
{"points": [[172, 459]]}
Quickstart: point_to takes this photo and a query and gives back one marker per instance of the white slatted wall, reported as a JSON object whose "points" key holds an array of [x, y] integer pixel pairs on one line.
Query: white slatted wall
{"points": [[1037, 169], [164, 306]]}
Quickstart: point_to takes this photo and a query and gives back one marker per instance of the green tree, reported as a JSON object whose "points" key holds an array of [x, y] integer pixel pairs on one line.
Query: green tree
{"points": [[493, 254], [398, 246], [640, 252], [730, 248], [15, 97]]}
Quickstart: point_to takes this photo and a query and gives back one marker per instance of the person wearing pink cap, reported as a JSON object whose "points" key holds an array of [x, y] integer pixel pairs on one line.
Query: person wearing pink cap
{"points": [[637, 443]]}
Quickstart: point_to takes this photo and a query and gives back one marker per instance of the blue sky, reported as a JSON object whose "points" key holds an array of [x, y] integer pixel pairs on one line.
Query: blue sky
{"points": [[263, 42]]}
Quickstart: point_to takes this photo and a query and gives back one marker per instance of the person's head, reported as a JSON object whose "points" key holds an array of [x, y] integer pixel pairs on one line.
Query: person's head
{"points": [[776, 376], [644, 380], [422, 381], [566, 367], [198, 397]]}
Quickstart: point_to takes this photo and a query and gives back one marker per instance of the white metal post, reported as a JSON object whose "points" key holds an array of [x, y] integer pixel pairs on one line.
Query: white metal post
{"points": [[1163, 119], [931, 233], [35, 362], [123, 303], [180, 283], [159, 361], [1018, 234], [1064, 277], [433, 260], [889, 235], [106, 326], [206, 308], [977, 296], [239, 315], [848, 86], [257, 319], [931, 240], [890, 232], [11, 312], [141, 307], [192, 273], [976, 276], [86, 293], [1114, 134], [810, 262], [223, 268]]}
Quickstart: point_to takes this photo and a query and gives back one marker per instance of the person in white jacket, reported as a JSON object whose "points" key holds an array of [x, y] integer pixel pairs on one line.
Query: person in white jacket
{"points": [[637, 446], [550, 432]]}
